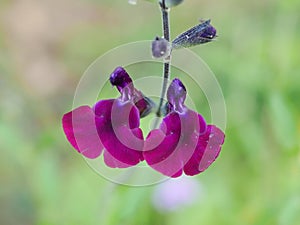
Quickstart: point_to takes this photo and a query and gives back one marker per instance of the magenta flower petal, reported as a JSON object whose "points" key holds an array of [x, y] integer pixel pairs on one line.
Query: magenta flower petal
{"points": [[124, 113], [169, 148], [80, 129], [117, 124], [207, 150], [112, 162], [130, 156]]}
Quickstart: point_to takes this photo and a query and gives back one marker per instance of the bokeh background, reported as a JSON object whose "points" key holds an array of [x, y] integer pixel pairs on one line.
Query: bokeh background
{"points": [[46, 45]]}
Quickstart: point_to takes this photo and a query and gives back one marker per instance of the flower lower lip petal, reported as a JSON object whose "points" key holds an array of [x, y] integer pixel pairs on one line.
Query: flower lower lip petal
{"points": [[80, 129], [178, 145], [112, 126], [119, 132], [207, 150]]}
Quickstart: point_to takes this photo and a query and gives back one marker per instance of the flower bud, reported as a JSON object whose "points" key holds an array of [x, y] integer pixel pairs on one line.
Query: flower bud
{"points": [[200, 34], [160, 48], [171, 3]]}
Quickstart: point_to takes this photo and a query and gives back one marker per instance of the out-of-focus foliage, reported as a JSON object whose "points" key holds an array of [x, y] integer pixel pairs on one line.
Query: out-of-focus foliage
{"points": [[47, 45]]}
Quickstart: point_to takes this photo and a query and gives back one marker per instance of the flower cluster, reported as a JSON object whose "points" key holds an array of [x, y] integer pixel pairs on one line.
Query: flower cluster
{"points": [[183, 143]]}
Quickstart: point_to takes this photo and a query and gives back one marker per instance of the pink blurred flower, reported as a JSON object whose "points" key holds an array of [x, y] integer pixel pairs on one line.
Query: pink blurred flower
{"points": [[176, 193]]}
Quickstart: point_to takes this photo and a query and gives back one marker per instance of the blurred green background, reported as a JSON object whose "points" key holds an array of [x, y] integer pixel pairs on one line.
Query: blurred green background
{"points": [[45, 46]]}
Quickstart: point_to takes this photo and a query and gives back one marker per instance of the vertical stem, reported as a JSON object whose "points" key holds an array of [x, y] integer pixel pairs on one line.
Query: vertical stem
{"points": [[166, 68], [165, 20]]}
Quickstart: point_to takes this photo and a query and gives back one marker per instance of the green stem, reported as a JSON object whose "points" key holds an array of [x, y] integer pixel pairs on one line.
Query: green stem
{"points": [[166, 68]]}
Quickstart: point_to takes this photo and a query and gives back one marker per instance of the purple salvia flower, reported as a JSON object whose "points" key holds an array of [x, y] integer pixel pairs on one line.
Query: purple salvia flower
{"points": [[183, 142], [110, 125]]}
